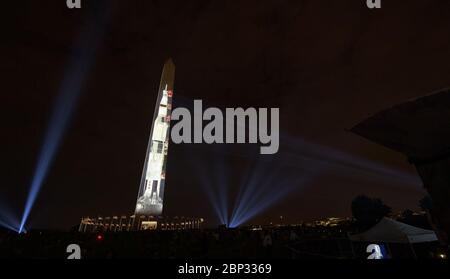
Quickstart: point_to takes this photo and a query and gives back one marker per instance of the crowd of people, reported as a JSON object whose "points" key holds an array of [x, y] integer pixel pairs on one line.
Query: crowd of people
{"points": [[286, 242], [217, 243]]}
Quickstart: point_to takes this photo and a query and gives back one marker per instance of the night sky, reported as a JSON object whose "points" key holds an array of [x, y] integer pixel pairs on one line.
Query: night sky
{"points": [[326, 64]]}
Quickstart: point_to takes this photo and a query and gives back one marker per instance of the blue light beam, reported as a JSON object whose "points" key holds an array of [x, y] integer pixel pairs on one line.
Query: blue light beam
{"points": [[214, 181], [7, 219], [340, 160], [8, 226], [270, 181], [80, 62], [258, 206]]}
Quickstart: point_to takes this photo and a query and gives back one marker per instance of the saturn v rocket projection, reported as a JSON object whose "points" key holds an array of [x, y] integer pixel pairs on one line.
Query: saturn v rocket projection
{"points": [[151, 191]]}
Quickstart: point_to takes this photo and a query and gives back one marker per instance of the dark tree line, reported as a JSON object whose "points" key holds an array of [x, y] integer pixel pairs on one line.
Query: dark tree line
{"points": [[368, 211]]}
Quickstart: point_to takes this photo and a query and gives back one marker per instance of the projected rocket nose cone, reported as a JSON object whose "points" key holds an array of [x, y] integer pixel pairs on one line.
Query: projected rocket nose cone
{"points": [[151, 190], [169, 67]]}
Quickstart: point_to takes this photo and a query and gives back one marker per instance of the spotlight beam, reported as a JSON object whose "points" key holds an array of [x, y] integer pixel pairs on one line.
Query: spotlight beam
{"points": [[338, 158], [8, 226], [260, 167], [210, 192], [267, 201], [254, 189], [258, 208], [7, 218], [80, 61], [213, 179], [221, 183]]}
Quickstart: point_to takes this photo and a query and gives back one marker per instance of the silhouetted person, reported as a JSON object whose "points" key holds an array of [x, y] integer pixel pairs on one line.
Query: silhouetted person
{"points": [[267, 244]]}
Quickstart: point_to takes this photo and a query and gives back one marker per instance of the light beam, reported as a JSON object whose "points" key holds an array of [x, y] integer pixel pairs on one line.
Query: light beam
{"points": [[79, 64]]}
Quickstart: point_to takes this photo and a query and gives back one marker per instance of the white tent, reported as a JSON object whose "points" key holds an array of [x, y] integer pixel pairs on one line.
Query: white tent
{"points": [[391, 231]]}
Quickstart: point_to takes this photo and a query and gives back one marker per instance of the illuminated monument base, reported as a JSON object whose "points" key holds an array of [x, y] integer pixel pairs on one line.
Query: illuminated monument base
{"points": [[145, 205], [138, 223]]}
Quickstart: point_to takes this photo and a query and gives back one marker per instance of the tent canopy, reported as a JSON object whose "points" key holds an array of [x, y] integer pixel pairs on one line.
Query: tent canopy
{"points": [[391, 231], [418, 128]]}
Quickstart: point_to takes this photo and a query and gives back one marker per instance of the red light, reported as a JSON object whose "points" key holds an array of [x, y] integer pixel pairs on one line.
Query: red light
{"points": [[169, 93], [99, 237]]}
